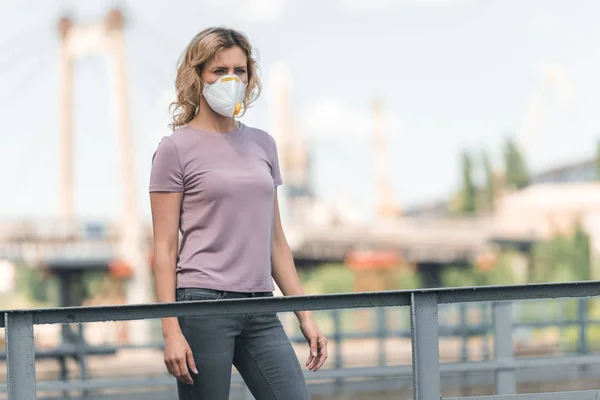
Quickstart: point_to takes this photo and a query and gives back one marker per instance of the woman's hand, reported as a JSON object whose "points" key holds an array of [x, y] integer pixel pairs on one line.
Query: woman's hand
{"points": [[179, 359], [316, 341]]}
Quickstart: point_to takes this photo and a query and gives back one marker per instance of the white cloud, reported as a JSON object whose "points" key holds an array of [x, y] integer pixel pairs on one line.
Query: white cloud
{"points": [[332, 117], [250, 10]]}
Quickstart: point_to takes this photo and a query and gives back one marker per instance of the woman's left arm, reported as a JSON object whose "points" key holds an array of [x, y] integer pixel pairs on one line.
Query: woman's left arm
{"points": [[285, 275]]}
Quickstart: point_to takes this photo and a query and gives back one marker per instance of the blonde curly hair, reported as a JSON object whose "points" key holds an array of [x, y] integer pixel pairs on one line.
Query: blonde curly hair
{"points": [[202, 48]]}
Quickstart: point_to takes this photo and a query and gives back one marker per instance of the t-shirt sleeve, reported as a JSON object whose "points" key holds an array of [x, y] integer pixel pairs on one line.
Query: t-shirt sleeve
{"points": [[166, 174], [275, 172]]}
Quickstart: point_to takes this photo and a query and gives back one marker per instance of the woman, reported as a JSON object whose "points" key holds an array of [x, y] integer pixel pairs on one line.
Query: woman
{"points": [[215, 180]]}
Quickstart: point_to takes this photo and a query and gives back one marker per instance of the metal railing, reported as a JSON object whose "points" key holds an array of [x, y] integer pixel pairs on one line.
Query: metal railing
{"points": [[21, 381], [460, 322], [379, 328]]}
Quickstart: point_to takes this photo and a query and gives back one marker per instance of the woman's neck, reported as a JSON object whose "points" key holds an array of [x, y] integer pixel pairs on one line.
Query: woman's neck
{"points": [[210, 121]]}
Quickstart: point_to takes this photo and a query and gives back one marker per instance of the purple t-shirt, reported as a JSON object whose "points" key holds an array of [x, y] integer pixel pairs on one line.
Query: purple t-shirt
{"points": [[228, 182]]}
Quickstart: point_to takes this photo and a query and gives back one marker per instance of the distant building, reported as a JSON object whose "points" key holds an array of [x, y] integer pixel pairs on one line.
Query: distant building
{"points": [[582, 171], [541, 210]]}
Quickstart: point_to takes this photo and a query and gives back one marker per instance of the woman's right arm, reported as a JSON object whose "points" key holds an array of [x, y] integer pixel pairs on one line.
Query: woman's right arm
{"points": [[165, 224]]}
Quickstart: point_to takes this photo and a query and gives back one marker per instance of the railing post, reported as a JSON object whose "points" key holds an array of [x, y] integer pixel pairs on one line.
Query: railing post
{"points": [[337, 337], [425, 346], [464, 333], [381, 334], [485, 349], [20, 356], [503, 348], [582, 312], [464, 343]]}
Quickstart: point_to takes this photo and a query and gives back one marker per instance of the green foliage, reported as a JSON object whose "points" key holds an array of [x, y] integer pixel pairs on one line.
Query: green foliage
{"points": [[560, 259], [96, 282], [581, 254], [329, 278], [408, 279], [563, 258], [337, 278], [38, 287], [489, 193], [501, 274], [469, 191], [517, 175], [458, 276]]}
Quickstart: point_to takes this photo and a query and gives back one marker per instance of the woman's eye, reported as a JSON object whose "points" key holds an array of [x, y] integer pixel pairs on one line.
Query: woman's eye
{"points": [[219, 71], [240, 71]]}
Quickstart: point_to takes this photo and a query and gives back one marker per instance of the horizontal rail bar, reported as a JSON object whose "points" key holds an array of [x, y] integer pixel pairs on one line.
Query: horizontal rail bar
{"points": [[578, 395], [299, 303], [519, 363], [519, 292], [329, 373], [215, 307], [574, 395]]}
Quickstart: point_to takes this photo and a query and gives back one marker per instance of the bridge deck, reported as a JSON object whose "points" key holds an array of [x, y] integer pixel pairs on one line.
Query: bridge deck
{"points": [[438, 240]]}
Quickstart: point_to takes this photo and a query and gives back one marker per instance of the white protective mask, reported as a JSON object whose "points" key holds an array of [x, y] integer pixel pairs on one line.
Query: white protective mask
{"points": [[226, 95]]}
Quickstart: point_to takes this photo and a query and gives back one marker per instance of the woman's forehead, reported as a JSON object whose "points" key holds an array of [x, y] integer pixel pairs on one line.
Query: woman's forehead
{"points": [[226, 57]]}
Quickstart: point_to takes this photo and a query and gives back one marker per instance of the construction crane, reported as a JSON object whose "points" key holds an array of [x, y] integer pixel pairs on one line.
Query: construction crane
{"points": [[291, 143]]}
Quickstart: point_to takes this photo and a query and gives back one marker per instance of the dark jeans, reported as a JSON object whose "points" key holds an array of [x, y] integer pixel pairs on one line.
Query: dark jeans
{"points": [[255, 343]]}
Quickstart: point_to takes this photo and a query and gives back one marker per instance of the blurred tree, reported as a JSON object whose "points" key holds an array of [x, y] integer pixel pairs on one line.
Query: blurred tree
{"points": [[468, 275], [552, 258], [581, 254], [37, 286], [490, 184], [454, 202], [328, 278], [563, 258], [459, 275], [517, 175], [407, 278], [469, 191]]}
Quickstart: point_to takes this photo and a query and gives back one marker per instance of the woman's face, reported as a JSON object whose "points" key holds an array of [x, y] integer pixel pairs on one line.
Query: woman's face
{"points": [[231, 61]]}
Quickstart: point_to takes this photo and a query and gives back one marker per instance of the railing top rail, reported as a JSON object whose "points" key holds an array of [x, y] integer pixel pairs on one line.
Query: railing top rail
{"points": [[311, 302]]}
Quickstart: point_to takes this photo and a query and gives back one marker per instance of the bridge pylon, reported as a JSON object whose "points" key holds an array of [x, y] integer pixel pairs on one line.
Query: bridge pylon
{"points": [[80, 40]]}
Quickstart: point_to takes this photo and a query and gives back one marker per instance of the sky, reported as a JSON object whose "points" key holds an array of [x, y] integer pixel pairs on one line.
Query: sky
{"points": [[454, 75]]}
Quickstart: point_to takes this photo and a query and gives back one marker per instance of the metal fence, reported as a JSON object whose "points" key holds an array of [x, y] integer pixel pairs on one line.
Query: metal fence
{"points": [[21, 383], [462, 321], [567, 321]]}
